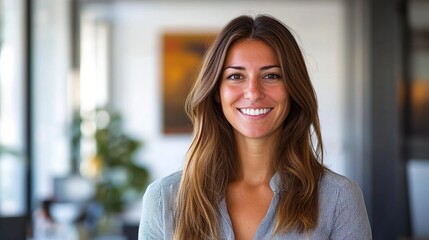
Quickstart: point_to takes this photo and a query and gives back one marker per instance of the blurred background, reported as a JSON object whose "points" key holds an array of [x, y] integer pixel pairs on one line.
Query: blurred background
{"points": [[92, 91]]}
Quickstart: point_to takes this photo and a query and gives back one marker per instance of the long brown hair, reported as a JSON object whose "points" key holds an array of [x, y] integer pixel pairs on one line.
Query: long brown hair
{"points": [[212, 163]]}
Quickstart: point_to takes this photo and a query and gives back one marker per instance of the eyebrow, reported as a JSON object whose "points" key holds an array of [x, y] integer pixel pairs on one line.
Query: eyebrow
{"points": [[243, 68]]}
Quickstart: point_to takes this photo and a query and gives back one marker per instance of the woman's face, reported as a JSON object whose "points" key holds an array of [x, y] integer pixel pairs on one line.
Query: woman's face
{"points": [[252, 90]]}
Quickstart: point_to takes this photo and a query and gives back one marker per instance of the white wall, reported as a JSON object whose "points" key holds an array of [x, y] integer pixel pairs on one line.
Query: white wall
{"points": [[137, 89]]}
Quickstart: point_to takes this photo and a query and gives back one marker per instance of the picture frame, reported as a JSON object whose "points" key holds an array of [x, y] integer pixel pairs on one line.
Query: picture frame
{"points": [[182, 58]]}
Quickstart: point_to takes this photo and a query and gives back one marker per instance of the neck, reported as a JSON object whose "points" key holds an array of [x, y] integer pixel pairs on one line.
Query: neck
{"points": [[255, 156]]}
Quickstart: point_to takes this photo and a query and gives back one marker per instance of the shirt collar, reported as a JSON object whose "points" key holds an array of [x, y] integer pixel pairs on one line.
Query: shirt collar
{"points": [[275, 183]]}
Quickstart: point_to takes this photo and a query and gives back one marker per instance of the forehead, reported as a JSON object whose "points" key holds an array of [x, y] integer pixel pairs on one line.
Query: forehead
{"points": [[250, 50]]}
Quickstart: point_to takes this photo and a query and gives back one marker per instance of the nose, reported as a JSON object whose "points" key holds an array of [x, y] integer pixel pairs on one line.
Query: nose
{"points": [[253, 90]]}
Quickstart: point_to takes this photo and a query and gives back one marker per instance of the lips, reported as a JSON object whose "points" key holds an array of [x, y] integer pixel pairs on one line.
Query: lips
{"points": [[254, 111]]}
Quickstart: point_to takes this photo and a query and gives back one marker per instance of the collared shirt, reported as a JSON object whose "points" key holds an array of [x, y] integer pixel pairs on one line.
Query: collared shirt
{"points": [[342, 211]]}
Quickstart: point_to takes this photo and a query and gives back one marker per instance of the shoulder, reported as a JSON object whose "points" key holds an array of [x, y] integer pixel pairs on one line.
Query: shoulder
{"points": [[169, 182], [339, 195], [157, 210], [163, 190], [333, 182], [337, 191], [342, 208]]}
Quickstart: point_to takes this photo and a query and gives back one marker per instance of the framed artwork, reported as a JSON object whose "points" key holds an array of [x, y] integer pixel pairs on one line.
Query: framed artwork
{"points": [[182, 58]]}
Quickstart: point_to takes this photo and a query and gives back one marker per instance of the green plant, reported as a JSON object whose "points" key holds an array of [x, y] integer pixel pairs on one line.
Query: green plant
{"points": [[121, 179]]}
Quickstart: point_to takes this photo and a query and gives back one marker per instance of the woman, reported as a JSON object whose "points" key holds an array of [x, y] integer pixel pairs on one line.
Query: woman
{"points": [[254, 169]]}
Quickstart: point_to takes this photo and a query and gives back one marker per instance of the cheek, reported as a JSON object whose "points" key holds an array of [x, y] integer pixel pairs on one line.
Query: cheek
{"points": [[226, 95]]}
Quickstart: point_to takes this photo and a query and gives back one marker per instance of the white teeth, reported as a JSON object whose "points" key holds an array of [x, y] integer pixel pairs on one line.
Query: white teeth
{"points": [[254, 112]]}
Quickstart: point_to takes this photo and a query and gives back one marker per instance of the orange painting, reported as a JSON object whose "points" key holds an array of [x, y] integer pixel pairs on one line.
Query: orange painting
{"points": [[182, 59]]}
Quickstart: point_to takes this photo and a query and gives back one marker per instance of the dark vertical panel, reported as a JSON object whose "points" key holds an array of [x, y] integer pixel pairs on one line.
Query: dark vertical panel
{"points": [[28, 109], [389, 217], [75, 66], [406, 81], [75, 33], [405, 106], [17, 227]]}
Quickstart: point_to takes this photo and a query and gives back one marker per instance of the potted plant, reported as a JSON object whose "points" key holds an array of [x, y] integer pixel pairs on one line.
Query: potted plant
{"points": [[120, 180]]}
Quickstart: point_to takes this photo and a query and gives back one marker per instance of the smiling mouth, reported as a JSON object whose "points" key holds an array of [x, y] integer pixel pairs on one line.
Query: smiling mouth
{"points": [[254, 111]]}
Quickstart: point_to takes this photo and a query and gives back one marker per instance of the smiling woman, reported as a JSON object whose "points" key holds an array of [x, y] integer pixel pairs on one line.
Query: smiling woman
{"points": [[254, 101], [252, 91], [254, 169]]}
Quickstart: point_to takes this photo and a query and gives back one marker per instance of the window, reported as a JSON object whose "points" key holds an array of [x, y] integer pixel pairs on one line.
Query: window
{"points": [[12, 110]]}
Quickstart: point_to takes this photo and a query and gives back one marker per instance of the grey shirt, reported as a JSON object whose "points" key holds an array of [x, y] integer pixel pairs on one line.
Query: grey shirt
{"points": [[342, 211]]}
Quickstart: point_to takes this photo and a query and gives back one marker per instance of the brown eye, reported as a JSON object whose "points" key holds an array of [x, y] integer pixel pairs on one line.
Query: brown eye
{"points": [[272, 76], [234, 76]]}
